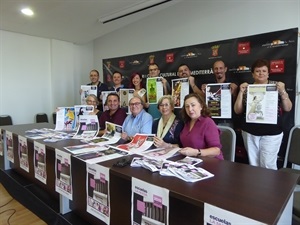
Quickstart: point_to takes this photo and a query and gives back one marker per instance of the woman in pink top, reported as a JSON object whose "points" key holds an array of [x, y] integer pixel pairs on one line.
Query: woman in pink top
{"points": [[200, 135]]}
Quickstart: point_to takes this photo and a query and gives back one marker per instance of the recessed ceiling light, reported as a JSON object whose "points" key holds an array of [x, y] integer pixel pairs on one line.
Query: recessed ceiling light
{"points": [[27, 12]]}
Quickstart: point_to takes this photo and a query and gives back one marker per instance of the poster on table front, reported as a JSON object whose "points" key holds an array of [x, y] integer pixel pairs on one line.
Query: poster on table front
{"points": [[63, 175], [1, 143], [97, 188], [180, 88], [10, 146], [218, 100], [216, 215], [87, 90], [40, 169], [149, 204], [155, 89], [262, 103], [23, 153]]}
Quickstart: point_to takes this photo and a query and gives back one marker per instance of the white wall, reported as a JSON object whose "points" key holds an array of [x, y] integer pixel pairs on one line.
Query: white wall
{"points": [[195, 22], [38, 74]]}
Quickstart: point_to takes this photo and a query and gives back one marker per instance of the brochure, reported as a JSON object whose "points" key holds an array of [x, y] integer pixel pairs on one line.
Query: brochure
{"points": [[65, 118], [87, 90], [180, 88], [88, 127], [139, 143]]}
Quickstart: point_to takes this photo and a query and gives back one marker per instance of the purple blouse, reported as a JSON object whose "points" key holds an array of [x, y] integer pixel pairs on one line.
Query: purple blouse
{"points": [[204, 134]]}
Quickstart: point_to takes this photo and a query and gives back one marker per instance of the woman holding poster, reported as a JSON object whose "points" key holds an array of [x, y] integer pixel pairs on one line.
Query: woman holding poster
{"points": [[262, 136]]}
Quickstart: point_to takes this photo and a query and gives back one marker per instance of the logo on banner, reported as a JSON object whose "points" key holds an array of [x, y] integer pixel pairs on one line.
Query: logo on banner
{"points": [[189, 55], [240, 69], [215, 50], [277, 66], [169, 57], [122, 64], [151, 59], [243, 48], [275, 44], [135, 62]]}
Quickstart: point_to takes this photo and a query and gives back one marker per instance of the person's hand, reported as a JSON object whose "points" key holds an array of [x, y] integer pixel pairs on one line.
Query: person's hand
{"points": [[124, 136], [80, 91], [280, 87], [203, 87], [243, 87], [159, 143], [164, 81], [146, 105], [191, 80], [189, 151]]}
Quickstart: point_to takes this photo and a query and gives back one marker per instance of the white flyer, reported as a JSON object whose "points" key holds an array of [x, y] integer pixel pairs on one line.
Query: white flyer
{"points": [[97, 188], [63, 176], [87, 90], [65, 118], [10, 146], [40, 170], [23, 153], [149, 203], [180, 88], [262, 104], [88, 127]]}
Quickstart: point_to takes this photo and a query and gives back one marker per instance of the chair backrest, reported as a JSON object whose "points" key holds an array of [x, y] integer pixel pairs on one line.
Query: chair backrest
{"points": [[54, 117], [292, 154], [5, 120], [228, 141], [41, 118]]}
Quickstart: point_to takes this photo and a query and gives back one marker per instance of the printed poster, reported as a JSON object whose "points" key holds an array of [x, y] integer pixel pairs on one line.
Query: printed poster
{"points": [[10, 147], [155, 89], [102, 155], [149, 204], [180, 88], [82, 110], [125, 96], [218, 100], [262, 103], [65, 118], [1, 143], [23, 153], [139, 143], [215, 215], [88, 127], [63, 181], [39, 160], [87, 90], [97, 187]]}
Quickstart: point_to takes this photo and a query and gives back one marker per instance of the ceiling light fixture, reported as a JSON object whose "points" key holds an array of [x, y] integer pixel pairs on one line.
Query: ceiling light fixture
{"points": [[132, 10], [27, 12]]}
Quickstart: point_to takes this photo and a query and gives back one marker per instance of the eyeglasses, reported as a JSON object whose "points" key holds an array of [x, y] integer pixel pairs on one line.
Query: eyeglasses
{"points": [[135, 104], [164, 105]]}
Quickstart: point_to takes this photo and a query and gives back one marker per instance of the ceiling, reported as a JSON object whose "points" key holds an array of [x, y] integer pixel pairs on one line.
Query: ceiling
{"points": [[76, 21]]}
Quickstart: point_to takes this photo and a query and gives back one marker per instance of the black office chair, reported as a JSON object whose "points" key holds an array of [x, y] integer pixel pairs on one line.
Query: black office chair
{"points": [[291, 162], [5, 120], [228, 141], [54, 117], [41, 118]]}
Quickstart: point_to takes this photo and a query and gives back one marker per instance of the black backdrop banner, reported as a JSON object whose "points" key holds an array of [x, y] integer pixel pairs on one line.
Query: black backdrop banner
{"points": [[279, 47]]}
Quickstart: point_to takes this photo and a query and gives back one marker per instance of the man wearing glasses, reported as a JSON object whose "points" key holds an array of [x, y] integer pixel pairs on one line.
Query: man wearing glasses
{"points": [[139, 121]]}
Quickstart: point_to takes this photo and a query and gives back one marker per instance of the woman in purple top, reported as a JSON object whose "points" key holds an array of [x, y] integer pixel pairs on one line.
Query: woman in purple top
{"points": [[200, 135]]}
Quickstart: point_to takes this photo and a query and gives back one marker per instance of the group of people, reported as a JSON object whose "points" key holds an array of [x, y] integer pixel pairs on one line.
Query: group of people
{"points": [[192, 128]]}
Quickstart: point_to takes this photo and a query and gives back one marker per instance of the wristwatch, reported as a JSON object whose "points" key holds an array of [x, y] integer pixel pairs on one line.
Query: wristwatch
{"points": [[199, 152]]}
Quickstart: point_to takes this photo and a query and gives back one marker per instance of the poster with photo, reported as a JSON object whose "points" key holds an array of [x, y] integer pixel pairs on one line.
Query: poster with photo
{"points": [[180, 88], [23, 153], [82, 110], [65, 118], [87, 90], [10, 146], [40, 170], [88, 127], [218, 100], [155, 89], [150, 203], [97, 188], [125, 96], [63, 175], [262, 102]]}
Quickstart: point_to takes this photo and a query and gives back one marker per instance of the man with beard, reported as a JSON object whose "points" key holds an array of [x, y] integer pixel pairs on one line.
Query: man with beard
{"points": [[220, 69]]}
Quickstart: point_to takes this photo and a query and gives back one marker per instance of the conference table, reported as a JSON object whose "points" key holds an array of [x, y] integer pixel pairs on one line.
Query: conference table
{"points": [[260, 194]]}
